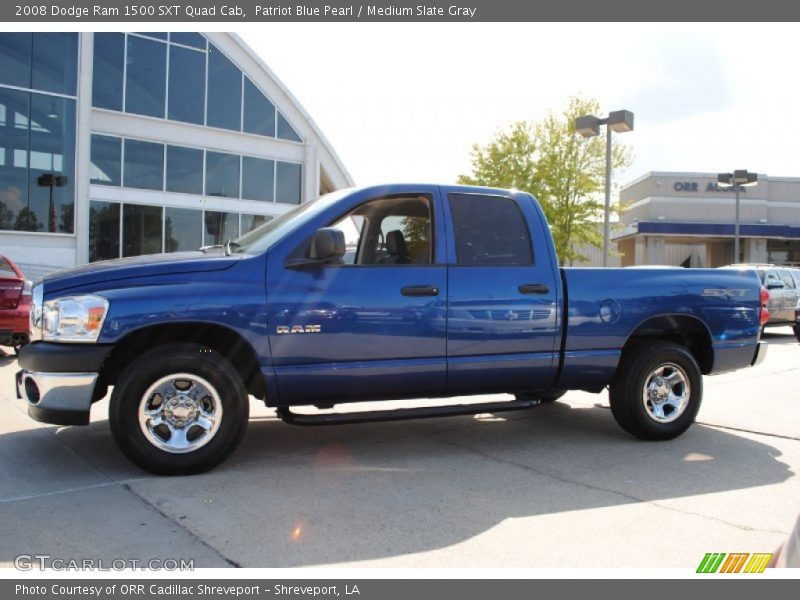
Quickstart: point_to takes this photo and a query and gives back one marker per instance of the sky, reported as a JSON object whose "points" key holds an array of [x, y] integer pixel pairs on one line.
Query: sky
{"points": [[406, 102]]}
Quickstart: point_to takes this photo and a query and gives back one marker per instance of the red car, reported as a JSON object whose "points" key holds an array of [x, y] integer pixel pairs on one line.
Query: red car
{"points": [[15, 305]]}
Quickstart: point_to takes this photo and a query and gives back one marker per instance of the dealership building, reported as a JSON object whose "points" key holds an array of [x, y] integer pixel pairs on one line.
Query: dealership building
{"points": [[120, 144], [686, 219]]}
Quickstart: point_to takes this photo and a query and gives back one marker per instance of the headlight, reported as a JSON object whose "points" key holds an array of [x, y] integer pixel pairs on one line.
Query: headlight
{"points": [[73, 318]]}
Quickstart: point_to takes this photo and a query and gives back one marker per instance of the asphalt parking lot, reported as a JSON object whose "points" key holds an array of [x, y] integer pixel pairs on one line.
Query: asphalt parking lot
{"points": [[556, 486]]}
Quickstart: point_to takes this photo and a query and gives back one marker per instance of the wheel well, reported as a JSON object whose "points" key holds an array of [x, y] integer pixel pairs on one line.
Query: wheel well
{"points": [[225, 341], [689, 332]]}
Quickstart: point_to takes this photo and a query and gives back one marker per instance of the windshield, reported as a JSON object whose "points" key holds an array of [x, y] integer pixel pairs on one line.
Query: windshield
{"points": [[264, 236]]}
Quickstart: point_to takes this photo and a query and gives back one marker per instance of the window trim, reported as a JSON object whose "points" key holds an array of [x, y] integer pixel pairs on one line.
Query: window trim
{"points": [[524, 220]]}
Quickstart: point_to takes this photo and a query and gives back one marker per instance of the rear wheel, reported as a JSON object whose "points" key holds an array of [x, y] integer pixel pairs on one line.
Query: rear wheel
{"points": [[657, 390], [797, 331], [179, 409]]}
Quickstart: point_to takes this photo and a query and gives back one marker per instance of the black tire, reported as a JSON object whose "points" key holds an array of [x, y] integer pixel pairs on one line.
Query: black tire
{"points": [[162, 361], [638, 365], [797, 332]]}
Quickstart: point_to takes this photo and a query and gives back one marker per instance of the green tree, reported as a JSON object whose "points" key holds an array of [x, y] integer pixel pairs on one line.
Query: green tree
{"points": [[563, 170]]}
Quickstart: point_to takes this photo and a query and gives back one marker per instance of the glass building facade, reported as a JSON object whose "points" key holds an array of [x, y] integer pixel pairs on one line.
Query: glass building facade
{"points": [[120, 144]]}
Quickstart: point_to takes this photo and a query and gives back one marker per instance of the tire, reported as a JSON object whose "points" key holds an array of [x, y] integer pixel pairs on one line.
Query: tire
{"points": [[671, 407], [179, 409], [797, 332]]}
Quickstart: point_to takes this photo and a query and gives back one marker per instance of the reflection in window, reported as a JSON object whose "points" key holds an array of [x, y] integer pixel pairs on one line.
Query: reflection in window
{"points": [[184, 170], [187, 84], [144, 165], [109, 57], [14, 110], [183, 229], [222, 174], [286, 131], [258, 178], [141, 230], [106, 161], [259, 113], [55, 62], [224, 92], [250, 222], [51, 164], [103, 230], [220, 227], [145, 86], [287, 182]]}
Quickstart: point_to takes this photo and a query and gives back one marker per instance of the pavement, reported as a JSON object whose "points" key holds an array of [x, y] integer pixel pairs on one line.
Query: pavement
{"points": [[560, 485]]}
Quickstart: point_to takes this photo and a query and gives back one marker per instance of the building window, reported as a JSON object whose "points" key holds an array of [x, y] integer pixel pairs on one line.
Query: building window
{"points": [[224, 92], [258, 179], [109, 62], [259, 113], [250, 222], [145, 84], [144, 165], [104, 218], [286, 131], [288, 183], [222, 174], [106, 160], [220, 227], [184, 170], [187, 84], [183, 229], [195, 40], [141, 230], [54, 59], [15, 59]]}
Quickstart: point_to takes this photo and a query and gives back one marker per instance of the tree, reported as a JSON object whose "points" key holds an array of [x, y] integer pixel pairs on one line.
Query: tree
{"points": [[564, 171]]}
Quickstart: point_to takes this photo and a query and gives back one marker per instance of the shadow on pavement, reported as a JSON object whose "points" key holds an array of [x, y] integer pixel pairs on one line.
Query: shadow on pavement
{"points": [[293, 496]]}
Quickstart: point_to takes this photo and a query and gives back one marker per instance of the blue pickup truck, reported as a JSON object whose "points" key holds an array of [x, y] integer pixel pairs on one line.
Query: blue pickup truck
{"points": [[390, 292]]}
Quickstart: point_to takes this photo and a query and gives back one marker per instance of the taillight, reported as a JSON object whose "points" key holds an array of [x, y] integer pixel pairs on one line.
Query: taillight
{"points": [[27, 288], [764, 313]]}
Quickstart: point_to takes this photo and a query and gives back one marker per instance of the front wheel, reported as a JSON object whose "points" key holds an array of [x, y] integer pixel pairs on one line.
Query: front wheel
{"points": [[179, 409], [657, 390]]}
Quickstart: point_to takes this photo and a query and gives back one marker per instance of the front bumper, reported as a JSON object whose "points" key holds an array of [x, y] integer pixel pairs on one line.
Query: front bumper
{"points": [[58, 380]]}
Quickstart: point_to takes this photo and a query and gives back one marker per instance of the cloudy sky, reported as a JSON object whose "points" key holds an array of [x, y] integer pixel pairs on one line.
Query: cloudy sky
{"points": [[407, 101]]}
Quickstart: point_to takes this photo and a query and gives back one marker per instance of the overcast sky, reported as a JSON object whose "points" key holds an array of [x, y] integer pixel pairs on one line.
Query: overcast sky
{"points": [[405, 102]]}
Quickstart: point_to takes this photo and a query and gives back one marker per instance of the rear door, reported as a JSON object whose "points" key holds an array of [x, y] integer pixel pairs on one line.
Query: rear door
{"points": [[11, 282], [502, 307], [790, 294]]}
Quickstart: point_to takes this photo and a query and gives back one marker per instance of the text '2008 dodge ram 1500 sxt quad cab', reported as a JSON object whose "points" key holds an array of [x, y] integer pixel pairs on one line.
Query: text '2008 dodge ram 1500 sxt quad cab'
{"points": [[392, 292]]}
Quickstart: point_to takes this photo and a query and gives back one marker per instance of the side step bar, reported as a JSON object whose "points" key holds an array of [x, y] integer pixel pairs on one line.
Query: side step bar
{"points": [[427, 412]]}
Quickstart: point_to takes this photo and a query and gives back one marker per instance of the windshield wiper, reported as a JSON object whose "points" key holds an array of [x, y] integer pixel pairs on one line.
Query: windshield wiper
{"points": [[231, 247]]}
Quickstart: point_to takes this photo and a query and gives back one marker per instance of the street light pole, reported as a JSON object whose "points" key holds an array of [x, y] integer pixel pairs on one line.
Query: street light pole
{"points": [[737, 180], [589, 126]]}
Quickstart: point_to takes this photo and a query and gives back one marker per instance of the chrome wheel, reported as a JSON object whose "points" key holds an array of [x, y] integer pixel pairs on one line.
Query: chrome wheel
{"points": [[666, 393], [180, 413]]}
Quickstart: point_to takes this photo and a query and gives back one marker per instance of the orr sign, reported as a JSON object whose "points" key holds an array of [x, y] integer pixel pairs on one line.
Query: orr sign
{"points": [[697, 187]]}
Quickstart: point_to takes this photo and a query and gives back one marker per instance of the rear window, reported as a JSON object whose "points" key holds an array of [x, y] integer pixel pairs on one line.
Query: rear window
{"points": [[788, 280], [489, 231]]}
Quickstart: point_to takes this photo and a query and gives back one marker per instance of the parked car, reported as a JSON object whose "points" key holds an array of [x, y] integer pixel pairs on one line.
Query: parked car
{"points": [[784, 293], [277, 314], [15, 305]]}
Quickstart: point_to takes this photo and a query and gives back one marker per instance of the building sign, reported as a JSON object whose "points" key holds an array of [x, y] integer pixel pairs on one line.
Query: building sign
{"points": [[694, 186]]}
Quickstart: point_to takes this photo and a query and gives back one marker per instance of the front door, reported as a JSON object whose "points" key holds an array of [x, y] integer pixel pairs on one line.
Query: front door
{"points": [[373, 326]]}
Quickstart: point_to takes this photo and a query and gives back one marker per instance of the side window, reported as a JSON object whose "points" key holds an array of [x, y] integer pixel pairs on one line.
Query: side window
{"points": [[391, 231], [773, 277], [788, 280], [489, 231]]}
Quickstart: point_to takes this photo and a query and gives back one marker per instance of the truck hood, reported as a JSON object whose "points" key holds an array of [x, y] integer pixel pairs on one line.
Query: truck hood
{"points": [[138, 266]]}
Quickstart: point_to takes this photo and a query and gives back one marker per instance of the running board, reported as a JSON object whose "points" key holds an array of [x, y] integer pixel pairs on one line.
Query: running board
{"points": [[427, 412]]}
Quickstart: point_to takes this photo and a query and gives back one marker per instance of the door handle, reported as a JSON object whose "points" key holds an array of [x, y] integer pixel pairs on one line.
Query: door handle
{"points": [[420, 290], [533, 288]]}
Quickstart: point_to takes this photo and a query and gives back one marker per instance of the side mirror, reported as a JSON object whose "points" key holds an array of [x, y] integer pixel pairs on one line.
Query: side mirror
{"points": [[327, 247]]}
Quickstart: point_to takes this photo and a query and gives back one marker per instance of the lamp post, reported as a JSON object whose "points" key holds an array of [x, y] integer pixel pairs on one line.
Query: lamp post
{"points": [[737, 180], [589, 126]]}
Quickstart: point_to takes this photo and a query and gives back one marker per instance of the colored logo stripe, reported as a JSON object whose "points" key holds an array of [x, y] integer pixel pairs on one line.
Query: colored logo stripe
{"points": [[734, 563]]}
